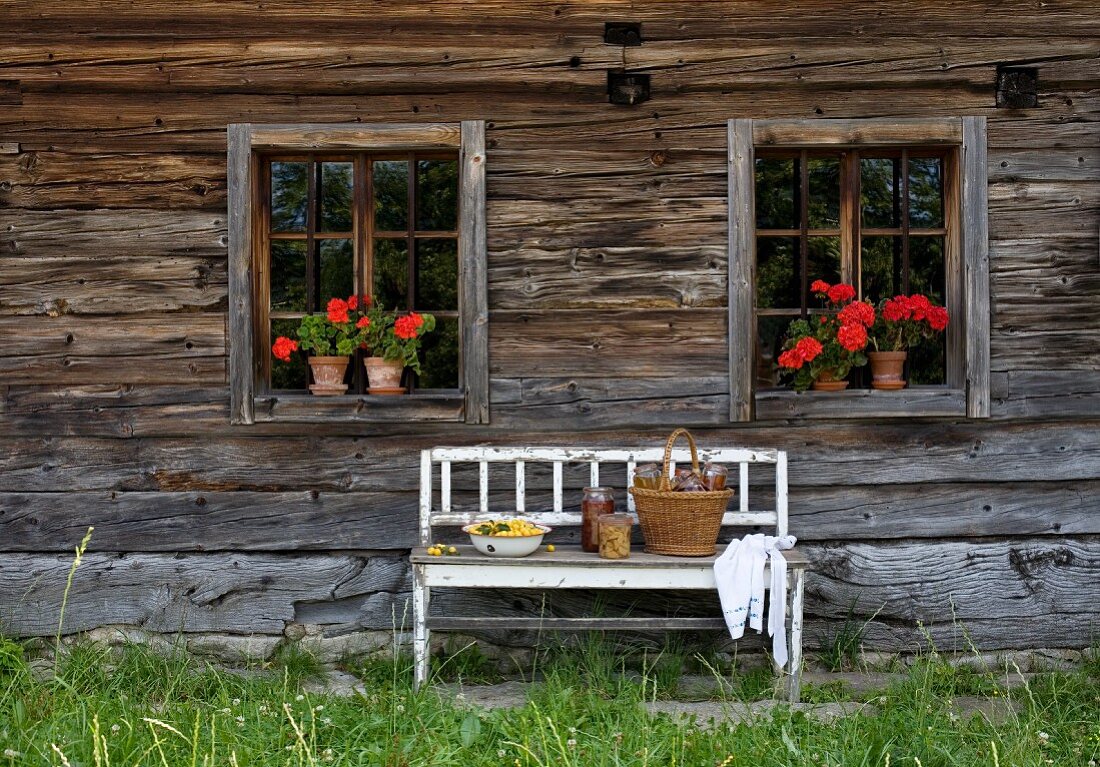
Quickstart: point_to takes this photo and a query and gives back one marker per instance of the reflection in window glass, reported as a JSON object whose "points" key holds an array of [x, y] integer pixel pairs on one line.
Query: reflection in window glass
{"points": [[391, 274], [337, 271], [776, 202], [880, 192], [436, 195], [925, 192], [437, 275], [824, 201], [926, 268], [926, 361], [293, 374], [822, 262], [880, 267], [289, 195], [778, 281], [391, 195], [288, 276], [336, 196], [440, 351], [770, 333]]}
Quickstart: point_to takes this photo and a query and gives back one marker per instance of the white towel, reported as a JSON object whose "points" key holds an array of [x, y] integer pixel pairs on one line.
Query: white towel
{"points": [[739, 574]]}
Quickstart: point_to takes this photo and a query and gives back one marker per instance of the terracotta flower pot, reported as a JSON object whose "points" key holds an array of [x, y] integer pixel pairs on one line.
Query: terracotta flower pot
{"points": [[827, 381], [384, 376], [887, 369], [328, 375]]}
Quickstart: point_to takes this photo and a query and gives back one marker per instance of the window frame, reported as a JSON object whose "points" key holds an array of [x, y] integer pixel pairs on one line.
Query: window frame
{"points": [[966, 254], [248, 145]]}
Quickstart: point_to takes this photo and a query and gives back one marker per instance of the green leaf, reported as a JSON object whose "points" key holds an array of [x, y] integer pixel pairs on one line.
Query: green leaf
{"points": [[470, 729]]}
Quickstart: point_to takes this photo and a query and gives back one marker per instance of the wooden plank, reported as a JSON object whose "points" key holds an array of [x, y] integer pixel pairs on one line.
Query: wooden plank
{"points": [[9, 147], [450, 623], [306, 408], [784, 404], [742, 267], [85, 350], [570, 556], [1045, 393], [975, 236], [113, 233], [882, 132], [1023, 209], [225, 593], [106, 285], [241, 343], [473, 273], [378, 136], [1043, 164]]}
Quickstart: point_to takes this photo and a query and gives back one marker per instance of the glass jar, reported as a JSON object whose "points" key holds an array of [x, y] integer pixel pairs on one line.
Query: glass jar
{"points": [[714, 476], [596, 501], [647, 476], [615, 536]]}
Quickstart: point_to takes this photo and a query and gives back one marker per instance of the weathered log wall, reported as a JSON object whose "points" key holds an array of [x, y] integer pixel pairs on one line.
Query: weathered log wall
{"points": [[607, 242]]}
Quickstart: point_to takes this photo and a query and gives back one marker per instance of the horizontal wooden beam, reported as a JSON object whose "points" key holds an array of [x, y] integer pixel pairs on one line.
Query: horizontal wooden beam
{"points": [[782, 404], [378, 136], [878, 132], [576, 624], [306, 408]]}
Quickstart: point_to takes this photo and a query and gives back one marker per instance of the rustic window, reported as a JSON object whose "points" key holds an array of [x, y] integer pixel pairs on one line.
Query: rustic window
{"points": [[329, 211], [878, 205]]}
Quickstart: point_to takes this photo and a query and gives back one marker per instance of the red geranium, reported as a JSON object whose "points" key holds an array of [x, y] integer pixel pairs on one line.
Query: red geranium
{"points": [[905, 320], [920, 305], [840, 293], [819, 286], [337, 310], [283, 347], [857, 312], [852, 337], [363, 322], [897, 309], [791, 360], [808, 348], [937, 318], [353, 302], [405, 327]]}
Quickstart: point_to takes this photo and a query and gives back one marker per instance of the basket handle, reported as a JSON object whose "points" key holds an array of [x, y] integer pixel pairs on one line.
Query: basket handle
{"points": [[665, 483]]}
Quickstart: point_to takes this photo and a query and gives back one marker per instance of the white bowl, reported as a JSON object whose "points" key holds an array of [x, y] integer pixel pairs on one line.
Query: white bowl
{"points": [[498, 546]]}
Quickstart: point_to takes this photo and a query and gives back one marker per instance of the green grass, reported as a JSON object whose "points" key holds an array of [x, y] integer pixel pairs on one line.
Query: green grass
{"points": [[139, 707]]}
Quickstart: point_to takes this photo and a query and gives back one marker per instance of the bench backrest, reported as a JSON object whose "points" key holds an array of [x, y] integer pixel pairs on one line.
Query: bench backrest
{"points": [[444, 515]]}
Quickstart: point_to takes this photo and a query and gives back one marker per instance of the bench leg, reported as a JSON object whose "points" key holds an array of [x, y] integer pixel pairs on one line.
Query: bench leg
{"points": [[796, 588], [421, 656]]}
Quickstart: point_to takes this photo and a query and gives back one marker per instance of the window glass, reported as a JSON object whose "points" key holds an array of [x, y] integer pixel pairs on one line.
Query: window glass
{"points": [[823, 176], [778, 279], [336, 196], [391, 195], [337, 270], [926, 268], [880, 267], [391, 273], [925, 192], [880, 191], [437, 275], [822, 261], [441, 356], [288, 276], [776, 193], [436, 195], [289, 195], [295, 373]]}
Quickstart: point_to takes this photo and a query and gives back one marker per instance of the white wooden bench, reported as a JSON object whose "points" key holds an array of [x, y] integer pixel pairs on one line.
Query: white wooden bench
{"points": [[568, 566]]}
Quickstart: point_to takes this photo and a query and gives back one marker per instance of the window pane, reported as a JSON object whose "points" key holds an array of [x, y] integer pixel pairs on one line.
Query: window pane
{"points": [[925, 192], [776, 193], [288, 276], [440, 356], [926, 361], [778, 282], [336, 196], [293, 374], [824, 202], [926, 270], [822, 260], [880, 267], [770, 332], [391, 274], [391, 195], [437, 275], [880, 192], [337, 271], [437, 195], [289, 194]]}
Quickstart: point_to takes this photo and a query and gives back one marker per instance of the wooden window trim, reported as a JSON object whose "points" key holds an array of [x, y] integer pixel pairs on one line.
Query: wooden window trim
{"points": [[966, 212], [245, 142]]}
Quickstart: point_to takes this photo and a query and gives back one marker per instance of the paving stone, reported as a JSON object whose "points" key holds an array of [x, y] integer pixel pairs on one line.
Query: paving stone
{"points": [[996, 711], [855, 682], [490, 696], [338, 683], [710, 714]]}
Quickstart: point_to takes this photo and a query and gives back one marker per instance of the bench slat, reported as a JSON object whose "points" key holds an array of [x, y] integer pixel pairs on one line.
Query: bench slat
{"points": [[446, 622], [608, 455], [573, 518], [570, 555]]}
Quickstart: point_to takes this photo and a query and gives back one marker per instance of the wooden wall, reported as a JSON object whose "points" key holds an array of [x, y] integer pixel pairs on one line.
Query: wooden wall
{"points": [[607, 243]]}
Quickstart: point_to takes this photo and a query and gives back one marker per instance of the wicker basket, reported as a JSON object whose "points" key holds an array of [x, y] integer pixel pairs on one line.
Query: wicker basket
{"points": [[684, 524]]}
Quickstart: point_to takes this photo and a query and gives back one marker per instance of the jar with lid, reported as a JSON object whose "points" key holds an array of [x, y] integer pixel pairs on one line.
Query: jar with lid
{"points": [[647, 476], [714, 476], [615, 536], [596, 501]]}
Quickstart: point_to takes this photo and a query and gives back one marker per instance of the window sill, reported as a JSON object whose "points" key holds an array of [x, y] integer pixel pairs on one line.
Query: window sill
{"points": [[445, 406], [930, 402]]}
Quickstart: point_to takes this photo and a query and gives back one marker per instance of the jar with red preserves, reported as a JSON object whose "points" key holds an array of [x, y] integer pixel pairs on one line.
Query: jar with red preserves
{"points": [[596, 502]]}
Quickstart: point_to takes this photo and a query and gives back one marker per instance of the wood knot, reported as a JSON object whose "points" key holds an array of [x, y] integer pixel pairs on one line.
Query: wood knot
{"points": [[657, 159]]}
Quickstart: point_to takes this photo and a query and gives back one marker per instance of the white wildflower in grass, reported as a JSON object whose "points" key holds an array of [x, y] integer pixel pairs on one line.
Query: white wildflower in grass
{"points": [[227, 711], [11, 753], [572, 742], [299, 698], [115, 728], [263, 709], [327, 720], [500, 752], [240, 720], [319, 708], [1043, 736], [236, 701], [400, 709], [328, 755], [572, 730]]}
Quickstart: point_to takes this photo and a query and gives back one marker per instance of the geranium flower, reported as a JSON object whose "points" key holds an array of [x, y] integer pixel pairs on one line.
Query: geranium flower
{"points": [[363, 322], [337, 310], [852, 337], [920, 306], [791, 360], [353, 302], [840, 293], [897, 309], [858, 312], [937, 317], [820, 287], [405, 327], [808, 348], [283, 347]]}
